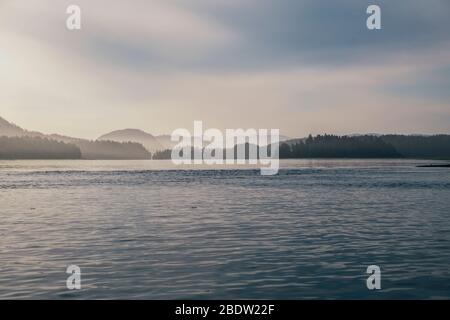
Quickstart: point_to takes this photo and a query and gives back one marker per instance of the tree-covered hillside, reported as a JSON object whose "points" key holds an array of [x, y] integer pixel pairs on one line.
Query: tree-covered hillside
{"points": [[36, 148]]}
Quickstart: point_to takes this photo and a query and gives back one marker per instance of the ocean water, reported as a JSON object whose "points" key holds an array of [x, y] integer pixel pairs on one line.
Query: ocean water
{"points": [[150, 230]]}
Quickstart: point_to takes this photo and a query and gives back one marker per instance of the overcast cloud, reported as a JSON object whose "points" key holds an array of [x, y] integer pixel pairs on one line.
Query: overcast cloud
{"points": [[302, 66]]}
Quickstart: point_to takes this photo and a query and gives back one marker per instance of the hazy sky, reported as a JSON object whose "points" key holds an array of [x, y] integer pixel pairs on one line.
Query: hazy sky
{"points": [[304, 66]]}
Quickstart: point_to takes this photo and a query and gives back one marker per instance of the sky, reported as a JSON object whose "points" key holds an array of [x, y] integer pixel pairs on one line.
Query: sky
{"points": [[301, 66]]}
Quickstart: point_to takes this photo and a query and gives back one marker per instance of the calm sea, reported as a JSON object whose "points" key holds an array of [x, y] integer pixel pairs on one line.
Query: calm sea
{"points": [[149, 230]]}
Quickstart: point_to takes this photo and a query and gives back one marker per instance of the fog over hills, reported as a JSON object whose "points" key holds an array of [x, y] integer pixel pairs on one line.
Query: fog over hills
{"points": [[150, 142], [133, 135], [107, 150], [22, 146], [135, 144], [9, 129]]}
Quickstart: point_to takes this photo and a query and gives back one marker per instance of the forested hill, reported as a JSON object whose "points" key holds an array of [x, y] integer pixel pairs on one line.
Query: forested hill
{"points": [[425, 147], [331, 146], [110, 150], [368, 146], [364, 146], [36, 148], [36, 145], [26, 147], [17, 143], [106, 150]]}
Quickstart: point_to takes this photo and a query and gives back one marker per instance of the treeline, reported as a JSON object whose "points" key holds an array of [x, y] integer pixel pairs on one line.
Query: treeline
{"points": [[162, 155], [110, 150], [106, 150], [331, 146], [321, 146], [386, 146], [366, 146], [425, 147], [36, 148], [28, 147]]}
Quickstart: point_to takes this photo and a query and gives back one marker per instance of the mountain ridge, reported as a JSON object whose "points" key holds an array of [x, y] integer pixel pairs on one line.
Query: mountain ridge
{"points": [[134, 144]]}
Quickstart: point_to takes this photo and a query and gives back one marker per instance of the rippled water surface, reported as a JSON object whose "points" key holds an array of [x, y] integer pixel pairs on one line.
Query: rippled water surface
{"points": [[145, 230]]}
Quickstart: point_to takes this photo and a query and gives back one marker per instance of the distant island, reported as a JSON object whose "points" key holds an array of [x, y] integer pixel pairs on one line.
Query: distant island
{"points": [[135, 144], [368, 146]]}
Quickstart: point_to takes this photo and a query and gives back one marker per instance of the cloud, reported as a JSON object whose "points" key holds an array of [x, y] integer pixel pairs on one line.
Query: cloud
{"points": [[119, 32], [233, 35], [302, 66]]}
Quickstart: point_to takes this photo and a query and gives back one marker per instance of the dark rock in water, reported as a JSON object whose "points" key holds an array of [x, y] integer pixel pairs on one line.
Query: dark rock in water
{"points": [[434, 166]]}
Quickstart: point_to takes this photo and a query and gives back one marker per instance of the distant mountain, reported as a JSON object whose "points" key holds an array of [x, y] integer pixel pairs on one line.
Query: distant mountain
{"points": [[133, 135], [10, 130], [18, 143], [106, 150], [133, 144], [49, 146]]}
